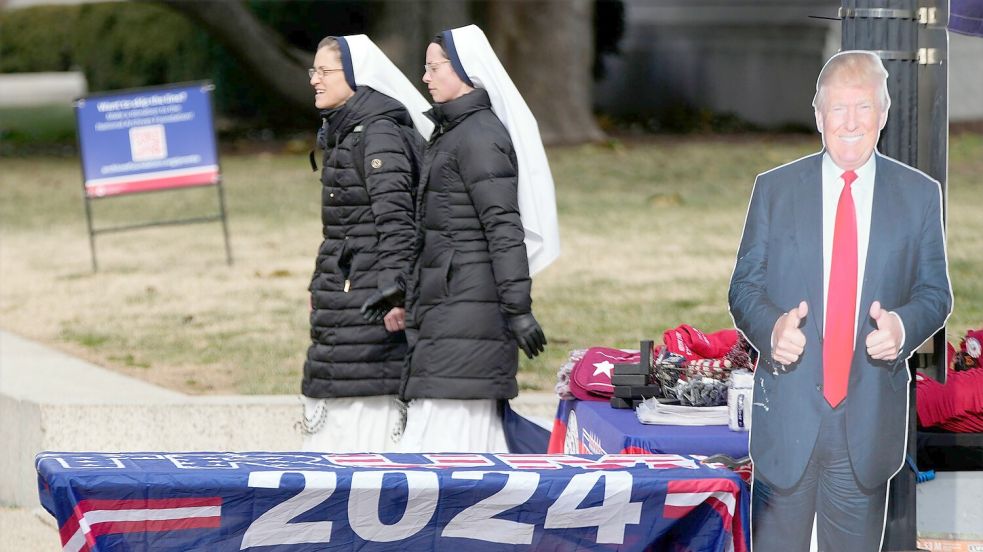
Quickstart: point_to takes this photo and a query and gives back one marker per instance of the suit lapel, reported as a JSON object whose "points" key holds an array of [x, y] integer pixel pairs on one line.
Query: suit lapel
{"points": [[882, 225], [809, 236]]}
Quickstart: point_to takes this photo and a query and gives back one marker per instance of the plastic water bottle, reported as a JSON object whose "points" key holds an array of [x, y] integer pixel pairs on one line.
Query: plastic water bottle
{"points": [[739, 391]]}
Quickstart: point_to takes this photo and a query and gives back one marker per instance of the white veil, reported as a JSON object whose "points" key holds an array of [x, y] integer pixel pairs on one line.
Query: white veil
{"points": [[368, 65], [469, 48]]}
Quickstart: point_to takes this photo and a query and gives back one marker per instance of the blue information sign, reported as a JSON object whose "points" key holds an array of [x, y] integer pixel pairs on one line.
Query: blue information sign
{"points": [[148, 139]]}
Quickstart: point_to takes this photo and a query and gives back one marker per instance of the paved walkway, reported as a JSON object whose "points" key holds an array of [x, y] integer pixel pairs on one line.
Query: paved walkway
{"points": [[22, 530], [29, 370]]}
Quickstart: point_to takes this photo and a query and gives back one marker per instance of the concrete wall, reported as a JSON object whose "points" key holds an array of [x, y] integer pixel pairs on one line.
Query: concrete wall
{"points": [[756, 60], [949, 507], [50, 401], [30, 89], [965, 78], [753, 58]]}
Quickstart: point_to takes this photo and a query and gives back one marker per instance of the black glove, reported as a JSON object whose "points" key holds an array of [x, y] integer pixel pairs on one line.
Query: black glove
{"points": [[527, 333], [382, 301]]}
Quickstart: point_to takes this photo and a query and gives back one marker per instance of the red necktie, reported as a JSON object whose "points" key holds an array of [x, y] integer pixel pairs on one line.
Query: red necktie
{"points": [[841, 300]]}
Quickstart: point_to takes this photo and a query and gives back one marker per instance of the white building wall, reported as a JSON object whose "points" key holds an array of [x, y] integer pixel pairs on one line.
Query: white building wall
{"points": [[758, 59]]}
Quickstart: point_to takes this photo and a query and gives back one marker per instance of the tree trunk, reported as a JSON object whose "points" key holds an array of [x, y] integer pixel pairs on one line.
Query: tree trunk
{"points": [[547, 47], [406, 28], [262, 52], [401, 36]]}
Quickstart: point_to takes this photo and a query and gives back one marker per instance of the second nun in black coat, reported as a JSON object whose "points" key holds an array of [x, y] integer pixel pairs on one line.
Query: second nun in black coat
{"points": [[469, 304]]}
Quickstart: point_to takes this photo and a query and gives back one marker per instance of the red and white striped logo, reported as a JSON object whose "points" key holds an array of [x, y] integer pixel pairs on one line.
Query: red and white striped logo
{"points": [[723, 495], [93, 518]]}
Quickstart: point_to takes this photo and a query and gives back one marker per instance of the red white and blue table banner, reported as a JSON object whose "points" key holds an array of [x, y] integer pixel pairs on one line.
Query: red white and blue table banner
{"points": [[299, 502]]}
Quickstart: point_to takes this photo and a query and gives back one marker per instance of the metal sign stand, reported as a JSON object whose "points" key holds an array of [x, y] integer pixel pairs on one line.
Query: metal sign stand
{"points": [[221, 216]]}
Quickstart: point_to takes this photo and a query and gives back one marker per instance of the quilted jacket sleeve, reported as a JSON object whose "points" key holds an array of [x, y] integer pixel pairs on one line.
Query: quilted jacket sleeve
{"points": [[388, 169], [490, 173]]}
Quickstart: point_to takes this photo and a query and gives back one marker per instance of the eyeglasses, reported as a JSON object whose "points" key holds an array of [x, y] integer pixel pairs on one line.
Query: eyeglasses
{"points": [[321, 71], [432, 66]]}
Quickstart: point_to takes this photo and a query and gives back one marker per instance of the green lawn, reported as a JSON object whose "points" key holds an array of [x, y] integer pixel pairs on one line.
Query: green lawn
{"points": [[649, 232]]}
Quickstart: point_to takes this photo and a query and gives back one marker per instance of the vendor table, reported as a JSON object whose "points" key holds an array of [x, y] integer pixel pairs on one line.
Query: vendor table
{"points": [[298, 502], [593, 427]]}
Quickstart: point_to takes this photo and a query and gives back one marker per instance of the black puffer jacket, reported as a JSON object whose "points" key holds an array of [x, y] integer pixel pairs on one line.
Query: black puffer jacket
{"points": [[472, 270], [368, 244]]}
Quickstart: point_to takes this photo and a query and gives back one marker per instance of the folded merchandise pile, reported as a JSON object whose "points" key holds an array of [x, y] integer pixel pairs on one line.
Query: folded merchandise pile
{"points": [[651, 411], [689, 368], [957, 405], [695, 368], [562, 387]]}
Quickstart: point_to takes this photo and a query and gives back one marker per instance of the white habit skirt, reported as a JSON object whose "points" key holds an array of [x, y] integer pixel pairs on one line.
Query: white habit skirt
{"points": [[351, 424], [452, 425]]}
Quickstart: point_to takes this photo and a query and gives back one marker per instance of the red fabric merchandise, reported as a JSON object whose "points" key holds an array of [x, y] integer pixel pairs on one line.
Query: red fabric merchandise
{"points": [[956, 406], [590, 379], [695, 345]]}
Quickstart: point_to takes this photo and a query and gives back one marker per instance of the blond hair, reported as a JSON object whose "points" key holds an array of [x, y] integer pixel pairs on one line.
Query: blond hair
{"points": [[853, 68]]}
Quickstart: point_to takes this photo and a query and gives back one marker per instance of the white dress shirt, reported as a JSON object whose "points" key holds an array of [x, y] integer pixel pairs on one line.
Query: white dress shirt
{"points": [[863, 200]]}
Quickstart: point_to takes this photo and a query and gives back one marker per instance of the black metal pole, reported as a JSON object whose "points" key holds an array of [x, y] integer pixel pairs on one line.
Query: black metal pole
{"points": [[225, 225], [85, 191], [906, 37], [933, 135], [210, 88], [92, 234]]}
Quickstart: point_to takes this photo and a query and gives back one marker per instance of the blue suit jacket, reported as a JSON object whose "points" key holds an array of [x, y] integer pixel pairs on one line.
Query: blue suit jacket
{"points": [[780, 263]]}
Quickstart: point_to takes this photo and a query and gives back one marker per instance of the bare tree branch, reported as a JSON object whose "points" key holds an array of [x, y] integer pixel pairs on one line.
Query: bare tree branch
{"points": [[261, 50]]}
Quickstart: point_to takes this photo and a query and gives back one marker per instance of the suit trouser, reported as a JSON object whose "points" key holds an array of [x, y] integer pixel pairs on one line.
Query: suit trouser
{"points": [[848, 516]]}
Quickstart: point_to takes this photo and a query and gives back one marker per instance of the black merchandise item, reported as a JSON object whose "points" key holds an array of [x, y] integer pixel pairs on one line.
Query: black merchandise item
{"points": [[631, 370], [628, 379], [637, 392], [618, 402]]}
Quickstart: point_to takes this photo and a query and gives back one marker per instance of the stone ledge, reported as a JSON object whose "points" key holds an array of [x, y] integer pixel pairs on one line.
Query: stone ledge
{"points": [[53, 401], [199, 423]]}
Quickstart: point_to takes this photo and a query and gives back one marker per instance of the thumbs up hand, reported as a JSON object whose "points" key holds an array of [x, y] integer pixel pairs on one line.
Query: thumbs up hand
{"points": [[787, 339], [885, 342]]}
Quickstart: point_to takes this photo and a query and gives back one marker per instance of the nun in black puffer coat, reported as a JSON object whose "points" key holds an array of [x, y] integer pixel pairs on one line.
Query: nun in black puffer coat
{"points": [[472, 275], [372, 135], [368, 247], [486, 221]]}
